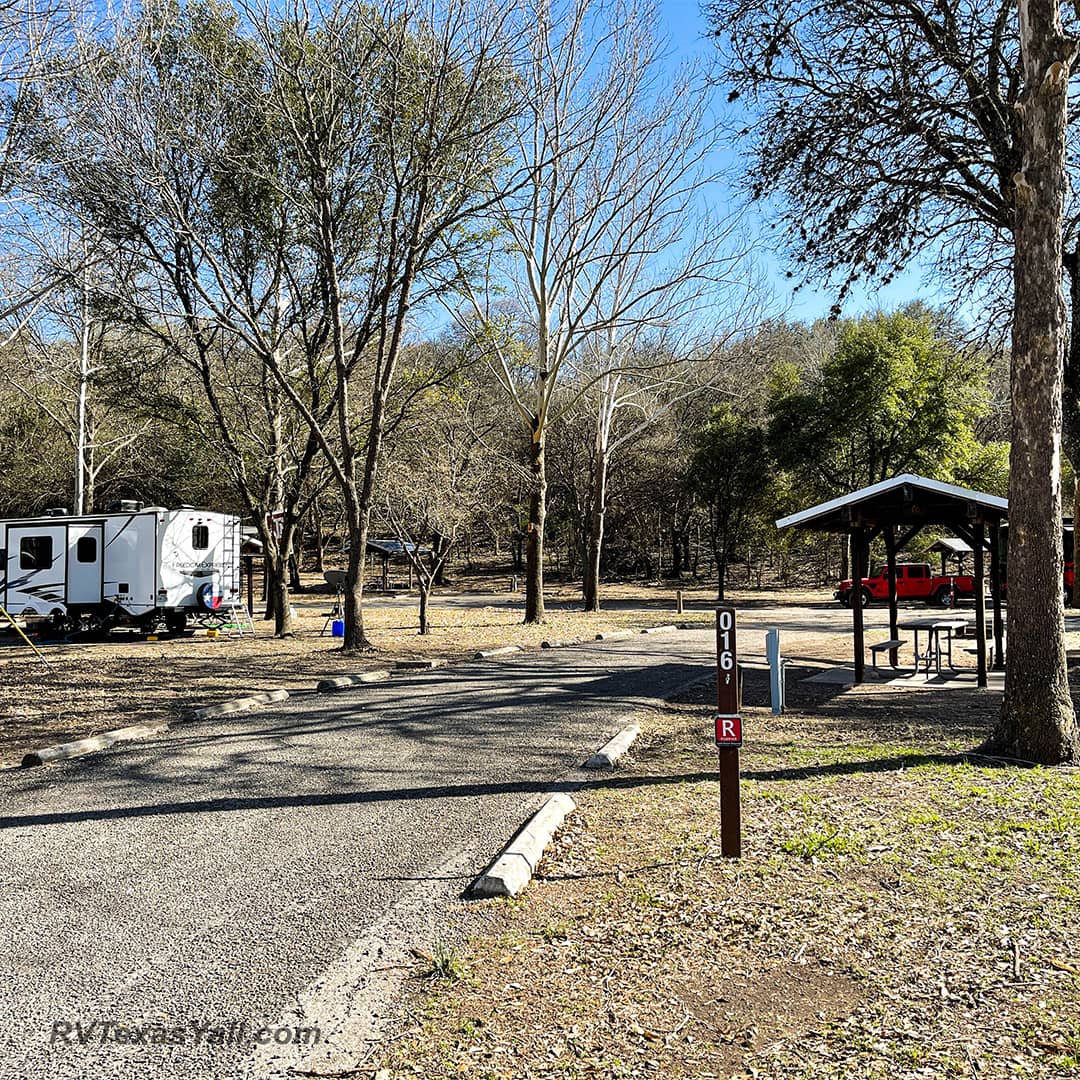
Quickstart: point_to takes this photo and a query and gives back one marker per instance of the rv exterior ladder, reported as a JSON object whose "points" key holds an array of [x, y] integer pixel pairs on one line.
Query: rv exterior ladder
{"points": [[238, 620]]}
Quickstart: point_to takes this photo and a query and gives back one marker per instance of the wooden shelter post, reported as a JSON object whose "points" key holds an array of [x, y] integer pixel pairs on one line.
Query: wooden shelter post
{"points": [[995, 590], [858, 572], [890, 555], [978, 534]]}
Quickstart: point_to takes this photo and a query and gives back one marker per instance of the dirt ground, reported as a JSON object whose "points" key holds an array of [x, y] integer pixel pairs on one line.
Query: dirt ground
{"points": [[89, 688], [903, 908]]}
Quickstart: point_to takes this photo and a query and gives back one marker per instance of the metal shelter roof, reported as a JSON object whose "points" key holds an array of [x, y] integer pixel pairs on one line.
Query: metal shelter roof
{"points": [[905, 499], [395, 548], [951, 545]]}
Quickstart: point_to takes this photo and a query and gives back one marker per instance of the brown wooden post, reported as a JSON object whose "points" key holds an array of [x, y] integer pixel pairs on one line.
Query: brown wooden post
{"points": [[890, 554], [995, 586], [978, 534], [728, 731], [858, 546]]}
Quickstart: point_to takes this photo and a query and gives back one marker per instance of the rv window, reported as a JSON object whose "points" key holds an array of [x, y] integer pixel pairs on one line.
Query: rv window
{"points": [[86, 549], [200, 537], [35, 553]]}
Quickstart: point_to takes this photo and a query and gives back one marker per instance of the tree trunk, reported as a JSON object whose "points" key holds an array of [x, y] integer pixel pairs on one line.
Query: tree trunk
{"points": [[597, 500], [721, 574], [355, 639], [440, 545], [425, 590], [534, 551], [677, 565], [320, 547], [1074, 555], [269, 593], [1037, 721], [279, 588], [1071, 404]]}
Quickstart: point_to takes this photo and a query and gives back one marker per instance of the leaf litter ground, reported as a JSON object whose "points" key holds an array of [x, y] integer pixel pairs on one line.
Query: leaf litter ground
{"points": [[903, 909]]}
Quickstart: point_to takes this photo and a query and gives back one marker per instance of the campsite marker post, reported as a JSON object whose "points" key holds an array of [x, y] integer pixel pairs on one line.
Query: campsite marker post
{"points": [[728, 732]]}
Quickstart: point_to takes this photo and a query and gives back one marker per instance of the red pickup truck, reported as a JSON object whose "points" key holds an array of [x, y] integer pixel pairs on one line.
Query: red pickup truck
{"points": [[914, 581]]}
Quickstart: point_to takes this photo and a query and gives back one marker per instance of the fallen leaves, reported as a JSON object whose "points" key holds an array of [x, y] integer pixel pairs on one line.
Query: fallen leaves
{"points": [[889, 952]]}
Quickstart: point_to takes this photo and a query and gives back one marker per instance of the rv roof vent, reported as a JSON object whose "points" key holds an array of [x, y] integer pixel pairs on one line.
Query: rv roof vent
{"points": [[154, 510], [123, 506], [56, 511]]}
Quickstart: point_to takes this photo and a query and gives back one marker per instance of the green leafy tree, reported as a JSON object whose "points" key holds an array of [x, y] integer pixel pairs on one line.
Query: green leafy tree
{"points": [[730, 475], [894, 396]]}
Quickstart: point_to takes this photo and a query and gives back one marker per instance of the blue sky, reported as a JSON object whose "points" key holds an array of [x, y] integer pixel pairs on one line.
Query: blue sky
{"points": [[685, 26]]}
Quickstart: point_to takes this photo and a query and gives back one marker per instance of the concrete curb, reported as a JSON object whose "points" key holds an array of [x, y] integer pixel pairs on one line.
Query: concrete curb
{"points": [[420, 665], [561, 644], [236, 705], [346, 682], [513, 869], [608, 754], [63, 751], [506, 650], [614, 635], [659, 629]]}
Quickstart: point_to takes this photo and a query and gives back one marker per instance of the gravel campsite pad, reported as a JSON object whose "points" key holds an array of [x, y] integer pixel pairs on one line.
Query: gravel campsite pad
{"points": [[902, 910]]}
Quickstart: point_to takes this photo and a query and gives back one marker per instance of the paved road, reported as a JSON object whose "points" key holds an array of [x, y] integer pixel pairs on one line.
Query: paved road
{"points": [[214, 874]]}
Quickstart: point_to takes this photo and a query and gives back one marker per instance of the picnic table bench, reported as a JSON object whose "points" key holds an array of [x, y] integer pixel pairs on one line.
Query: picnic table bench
{"points": [[885, 646]]}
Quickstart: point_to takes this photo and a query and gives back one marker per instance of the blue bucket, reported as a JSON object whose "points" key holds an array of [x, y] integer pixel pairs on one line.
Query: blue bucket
{"points": [[337, 628]]}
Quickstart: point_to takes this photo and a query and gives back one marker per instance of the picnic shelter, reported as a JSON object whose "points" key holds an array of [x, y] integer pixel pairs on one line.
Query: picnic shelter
{"points": [[897, 510]]}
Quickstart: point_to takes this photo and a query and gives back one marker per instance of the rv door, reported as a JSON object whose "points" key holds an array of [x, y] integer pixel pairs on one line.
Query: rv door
{"points": [[84, 551], [36, 561]]}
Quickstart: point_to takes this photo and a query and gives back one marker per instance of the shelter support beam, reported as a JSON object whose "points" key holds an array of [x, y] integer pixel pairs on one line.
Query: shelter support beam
{"points": [[858, 572], [995, 590], [980, 602], [890, 554]]}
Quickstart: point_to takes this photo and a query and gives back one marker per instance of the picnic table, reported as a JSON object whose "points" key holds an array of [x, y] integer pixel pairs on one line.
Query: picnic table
{"points": [[934, 628]]}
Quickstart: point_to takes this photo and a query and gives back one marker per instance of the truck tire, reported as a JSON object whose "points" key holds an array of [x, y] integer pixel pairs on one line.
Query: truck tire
{"points": [[943, 597], [845, 599], [865, 597]]}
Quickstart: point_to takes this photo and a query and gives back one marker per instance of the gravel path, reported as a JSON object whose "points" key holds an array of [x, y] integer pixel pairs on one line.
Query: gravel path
{"points": [[211, 876]]}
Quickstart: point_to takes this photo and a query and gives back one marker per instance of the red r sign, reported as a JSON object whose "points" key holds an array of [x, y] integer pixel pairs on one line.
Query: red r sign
{"points": [[728, 731]]}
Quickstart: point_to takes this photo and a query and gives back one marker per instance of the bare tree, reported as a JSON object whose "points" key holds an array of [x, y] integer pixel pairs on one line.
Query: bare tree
{"points": [[433, 491], [168, 151], [393, 116], [1037, 718], [599, 210]]}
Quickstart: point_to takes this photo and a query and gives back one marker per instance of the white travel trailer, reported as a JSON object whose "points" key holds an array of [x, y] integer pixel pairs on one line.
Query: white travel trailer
{"points": [[138, 566]]}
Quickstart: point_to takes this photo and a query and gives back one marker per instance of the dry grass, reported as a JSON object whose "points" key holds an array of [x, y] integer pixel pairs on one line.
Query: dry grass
{"points": [[901, 910], [127, 680]]}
